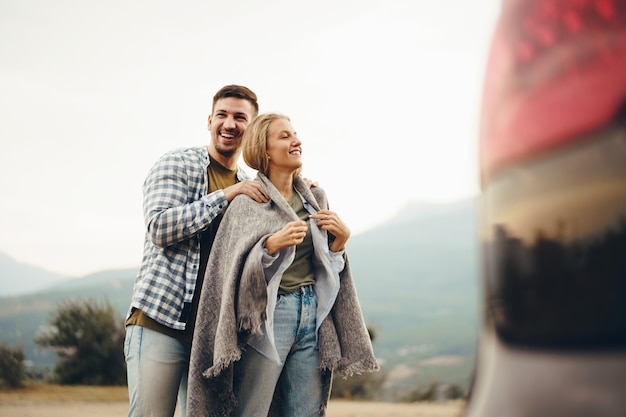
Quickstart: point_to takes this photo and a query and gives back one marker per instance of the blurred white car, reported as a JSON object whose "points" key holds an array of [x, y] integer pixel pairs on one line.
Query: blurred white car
{"points": [[553, 215]]}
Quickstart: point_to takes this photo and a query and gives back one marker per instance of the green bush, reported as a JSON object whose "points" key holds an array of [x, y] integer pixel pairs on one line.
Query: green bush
{"points": [[12, 368], [88, 337]]}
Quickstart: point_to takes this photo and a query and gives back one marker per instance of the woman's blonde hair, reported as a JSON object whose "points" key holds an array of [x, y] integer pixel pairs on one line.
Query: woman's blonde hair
{"points": [[255, 141]]}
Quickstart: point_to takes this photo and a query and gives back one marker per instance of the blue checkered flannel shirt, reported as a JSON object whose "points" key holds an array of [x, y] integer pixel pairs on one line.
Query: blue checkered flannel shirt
{"points": [[176, 208]]}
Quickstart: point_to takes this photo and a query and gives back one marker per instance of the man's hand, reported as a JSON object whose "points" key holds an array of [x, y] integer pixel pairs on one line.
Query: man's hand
{"points": [[291, 234], [252, 189], [310, 183]]}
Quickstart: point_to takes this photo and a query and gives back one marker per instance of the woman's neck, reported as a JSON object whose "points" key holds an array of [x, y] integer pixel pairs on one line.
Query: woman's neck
{"points": [[283, 183]]}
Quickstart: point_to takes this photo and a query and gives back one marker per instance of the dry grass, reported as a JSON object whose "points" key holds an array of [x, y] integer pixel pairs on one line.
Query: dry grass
{"points": [[48, 393], [75, 401]]}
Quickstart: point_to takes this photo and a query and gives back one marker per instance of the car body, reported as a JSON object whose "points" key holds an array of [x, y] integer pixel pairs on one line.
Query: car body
{"points": [[553, 213]]}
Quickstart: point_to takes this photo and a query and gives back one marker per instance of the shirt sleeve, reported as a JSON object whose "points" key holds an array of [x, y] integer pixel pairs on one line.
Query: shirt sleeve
{"points": [[337, 260], [268, 260], [170, 214]]}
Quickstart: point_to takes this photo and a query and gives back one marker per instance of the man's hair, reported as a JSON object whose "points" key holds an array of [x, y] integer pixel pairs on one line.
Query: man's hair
{"points": [[237, 91], [255, 141]]}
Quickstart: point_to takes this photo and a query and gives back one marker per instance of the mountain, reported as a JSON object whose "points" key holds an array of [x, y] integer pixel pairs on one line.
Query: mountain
{"points": [[13, 272], [113, 278], [417, 279], [423, 263], [23, 317]]}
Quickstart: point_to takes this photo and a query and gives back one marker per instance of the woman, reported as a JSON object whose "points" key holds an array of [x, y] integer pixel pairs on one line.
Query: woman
{"points": [[279, 311]]}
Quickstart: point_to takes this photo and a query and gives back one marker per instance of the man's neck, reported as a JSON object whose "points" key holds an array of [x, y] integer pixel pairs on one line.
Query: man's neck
{"points": [[229, 162]]}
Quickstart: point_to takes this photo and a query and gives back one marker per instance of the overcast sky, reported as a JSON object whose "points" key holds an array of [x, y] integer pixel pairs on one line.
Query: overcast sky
{"points": [[384, 95]]}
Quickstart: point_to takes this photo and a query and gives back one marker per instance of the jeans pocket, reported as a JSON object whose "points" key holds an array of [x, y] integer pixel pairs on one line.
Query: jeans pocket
{"points": [[279, 300], [128, 339]]}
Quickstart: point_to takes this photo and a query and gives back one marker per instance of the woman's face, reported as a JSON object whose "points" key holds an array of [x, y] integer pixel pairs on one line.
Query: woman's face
{"points": [[284, 149]]}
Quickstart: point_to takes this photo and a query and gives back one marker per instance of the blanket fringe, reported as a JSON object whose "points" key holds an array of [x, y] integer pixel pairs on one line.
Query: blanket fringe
{"points": [[250, 327], [347, 368], [328, 364], [221, 363]]}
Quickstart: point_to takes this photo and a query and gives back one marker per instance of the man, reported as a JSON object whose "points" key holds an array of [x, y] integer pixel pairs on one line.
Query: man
{"points": [[184, 196]]}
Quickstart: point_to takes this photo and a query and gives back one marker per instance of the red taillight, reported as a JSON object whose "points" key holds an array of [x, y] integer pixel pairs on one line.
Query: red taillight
{"points": [[553, 168], [557, 70]]}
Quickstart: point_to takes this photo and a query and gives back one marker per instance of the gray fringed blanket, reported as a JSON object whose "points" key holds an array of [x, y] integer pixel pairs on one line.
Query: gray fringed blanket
{"points": [[233, 302]]}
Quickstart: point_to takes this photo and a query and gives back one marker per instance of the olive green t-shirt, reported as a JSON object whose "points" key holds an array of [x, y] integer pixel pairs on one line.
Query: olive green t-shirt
{"points": [[220, 177], [300, 273]]}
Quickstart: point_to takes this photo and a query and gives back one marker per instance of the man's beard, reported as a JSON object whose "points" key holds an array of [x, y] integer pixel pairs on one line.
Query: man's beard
{"points": [[225, 152]]}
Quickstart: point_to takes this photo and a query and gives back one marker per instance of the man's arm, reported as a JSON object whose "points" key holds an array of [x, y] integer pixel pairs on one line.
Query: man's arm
{"points": [[168, 215]]}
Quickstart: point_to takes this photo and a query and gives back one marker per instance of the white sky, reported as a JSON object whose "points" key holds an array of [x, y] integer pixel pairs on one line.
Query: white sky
{"points": [[384, 95]]}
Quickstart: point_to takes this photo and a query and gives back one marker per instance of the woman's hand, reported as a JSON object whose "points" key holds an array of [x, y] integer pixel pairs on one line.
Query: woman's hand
{"points": [[330, 221], [291, 234]]}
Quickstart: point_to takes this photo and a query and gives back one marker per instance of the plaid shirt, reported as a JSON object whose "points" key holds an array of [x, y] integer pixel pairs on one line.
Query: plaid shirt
{"points": [[176, 208]]}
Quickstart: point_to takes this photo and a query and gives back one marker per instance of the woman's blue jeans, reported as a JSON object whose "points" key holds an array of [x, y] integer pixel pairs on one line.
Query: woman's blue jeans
{"points": [[297, 378], [157, 367]]}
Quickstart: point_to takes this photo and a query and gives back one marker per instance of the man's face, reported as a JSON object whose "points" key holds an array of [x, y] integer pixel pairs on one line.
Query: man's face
{"points": [[229, 120]]}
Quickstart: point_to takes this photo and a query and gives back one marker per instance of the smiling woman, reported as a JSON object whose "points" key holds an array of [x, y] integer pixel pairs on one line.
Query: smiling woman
{"points": [[288, 314]]}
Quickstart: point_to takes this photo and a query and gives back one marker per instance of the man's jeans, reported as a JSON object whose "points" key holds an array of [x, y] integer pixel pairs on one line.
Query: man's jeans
{"points": [[157, 368], [298, 379]]}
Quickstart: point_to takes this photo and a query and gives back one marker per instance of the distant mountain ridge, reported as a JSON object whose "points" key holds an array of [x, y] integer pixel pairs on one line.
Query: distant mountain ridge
{"points": [[12, 272], [416, 276], [97, 278], [22, 279]]}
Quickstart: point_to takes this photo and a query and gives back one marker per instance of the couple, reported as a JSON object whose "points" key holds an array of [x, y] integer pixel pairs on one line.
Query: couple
{"points": [[256, 323]]}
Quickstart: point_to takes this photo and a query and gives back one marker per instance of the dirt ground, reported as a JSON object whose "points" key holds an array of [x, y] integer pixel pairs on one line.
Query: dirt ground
{"points": [[57, 401], [335, 409]]}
